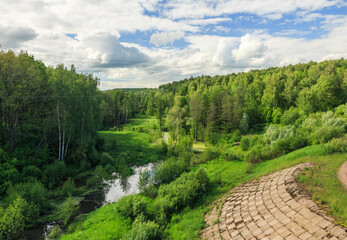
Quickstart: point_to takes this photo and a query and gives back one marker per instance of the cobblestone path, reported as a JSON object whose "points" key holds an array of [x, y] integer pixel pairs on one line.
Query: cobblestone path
{"points": [[270, 207]]}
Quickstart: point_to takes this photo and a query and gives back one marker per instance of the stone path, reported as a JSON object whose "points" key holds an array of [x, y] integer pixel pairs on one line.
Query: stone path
{"points": [[271, 207]]}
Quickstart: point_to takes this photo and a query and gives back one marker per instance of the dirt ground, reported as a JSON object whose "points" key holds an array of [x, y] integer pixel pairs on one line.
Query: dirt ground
{"points": [[342, 174]]}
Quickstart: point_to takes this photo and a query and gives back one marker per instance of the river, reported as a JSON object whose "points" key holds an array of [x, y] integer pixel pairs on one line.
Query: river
{"points": [[113, 190]]}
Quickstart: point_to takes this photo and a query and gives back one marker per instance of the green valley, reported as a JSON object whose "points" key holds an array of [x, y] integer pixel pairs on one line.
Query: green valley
{"points": [[63, 140]]}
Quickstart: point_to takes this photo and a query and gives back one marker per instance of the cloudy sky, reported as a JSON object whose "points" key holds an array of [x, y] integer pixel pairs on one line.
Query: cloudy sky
{"points": [[145, 43]]}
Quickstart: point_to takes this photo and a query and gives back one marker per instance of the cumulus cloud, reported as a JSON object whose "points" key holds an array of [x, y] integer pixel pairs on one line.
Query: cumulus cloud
{"points": [[218, 42], [250, 48], [109, 52], [164, 38], [13, 37]]}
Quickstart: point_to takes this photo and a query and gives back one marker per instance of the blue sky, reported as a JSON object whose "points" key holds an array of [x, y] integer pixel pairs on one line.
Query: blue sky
{"points": [[145, 43]]}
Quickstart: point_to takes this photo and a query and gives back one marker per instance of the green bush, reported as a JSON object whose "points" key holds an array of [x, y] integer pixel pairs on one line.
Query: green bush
{"points": [[32, 192], [32, 171], [68, 210], [290, 116], [180, 193], [144, 230], [209, 154], [325, 134], [106, 159], [55, 233], [232, 156], [236, 137], [245, 143], [336, 145], [169, 170], [68, 188], [254, 156], [54, 173], [12, 219], [132, 206]]}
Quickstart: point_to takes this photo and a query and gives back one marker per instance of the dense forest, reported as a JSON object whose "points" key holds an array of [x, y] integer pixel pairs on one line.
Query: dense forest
{"points": [[50, 118]]}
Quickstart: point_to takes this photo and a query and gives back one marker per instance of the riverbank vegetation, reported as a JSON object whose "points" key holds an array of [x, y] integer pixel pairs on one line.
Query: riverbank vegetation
{"points": [[208, 134]]}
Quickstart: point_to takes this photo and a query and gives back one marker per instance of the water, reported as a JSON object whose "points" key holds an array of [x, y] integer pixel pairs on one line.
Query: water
{"points": [[113, 190]]}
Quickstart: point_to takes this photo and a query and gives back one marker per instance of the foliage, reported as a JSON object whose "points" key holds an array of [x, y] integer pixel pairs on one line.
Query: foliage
{"points": [[68, 210], [12, 221], [55, 233], [180, 193], [105, 223], [133, 206], [169, 170], [144, 230]]}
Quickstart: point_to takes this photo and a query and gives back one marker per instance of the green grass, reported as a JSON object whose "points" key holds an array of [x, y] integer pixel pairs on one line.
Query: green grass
{"points": [[225, 175], [138, 142], [105, 223], [322, 182]]}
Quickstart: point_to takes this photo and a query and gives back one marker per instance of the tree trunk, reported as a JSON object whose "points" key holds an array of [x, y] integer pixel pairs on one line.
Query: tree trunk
{"points": [[59, 130]]}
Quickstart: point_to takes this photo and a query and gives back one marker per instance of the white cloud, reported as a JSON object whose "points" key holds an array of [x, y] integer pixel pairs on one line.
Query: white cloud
{"points": [[13, 37], [269, 8], [40, 26], [164, 38]]}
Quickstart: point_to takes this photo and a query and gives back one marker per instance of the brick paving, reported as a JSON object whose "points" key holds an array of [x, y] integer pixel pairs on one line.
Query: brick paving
{"points": [[267, 208]]}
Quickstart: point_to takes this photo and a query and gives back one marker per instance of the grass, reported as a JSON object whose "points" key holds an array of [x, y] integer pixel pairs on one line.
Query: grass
{"points": [[225, 175], [104, 223], [199, 147], [322, 182], [138, 142]]}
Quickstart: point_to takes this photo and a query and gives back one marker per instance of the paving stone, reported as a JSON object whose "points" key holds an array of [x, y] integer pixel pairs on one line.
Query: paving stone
{"points": [[264, 209]]}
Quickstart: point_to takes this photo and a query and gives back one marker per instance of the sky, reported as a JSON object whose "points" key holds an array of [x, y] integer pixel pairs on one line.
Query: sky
{"points": [[146, 43]]}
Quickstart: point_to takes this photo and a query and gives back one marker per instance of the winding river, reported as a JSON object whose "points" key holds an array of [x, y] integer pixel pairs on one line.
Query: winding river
{"points": [[113, 190]]}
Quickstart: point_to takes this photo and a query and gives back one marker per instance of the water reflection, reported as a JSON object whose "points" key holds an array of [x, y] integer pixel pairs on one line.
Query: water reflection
{"points": [[113, 190], [125, 186]]}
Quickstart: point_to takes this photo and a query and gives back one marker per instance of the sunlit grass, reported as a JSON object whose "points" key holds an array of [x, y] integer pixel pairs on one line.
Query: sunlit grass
{"points": [[105, 223], [322, 182]]}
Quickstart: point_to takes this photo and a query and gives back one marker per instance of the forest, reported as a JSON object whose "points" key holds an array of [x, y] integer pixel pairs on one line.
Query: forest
{"points": [[206, 135]]}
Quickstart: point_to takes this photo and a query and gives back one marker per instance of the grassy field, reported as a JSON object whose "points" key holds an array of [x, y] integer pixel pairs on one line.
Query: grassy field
{"points": [[104, 223], [138, 142]]}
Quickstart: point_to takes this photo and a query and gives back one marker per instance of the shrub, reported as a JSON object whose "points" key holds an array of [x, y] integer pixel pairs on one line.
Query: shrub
{"points": [[185, 144], [236, 137], [281, 147], [254, 156], [144, 230], [245, 143], [290, 116], [132, 206], [54, 173], [336, 145], [210, 154], [145, 179], [12, 221], [325, 134], [32, 192], [106, 159], [232, 156], [169, 170], [180, 193], [55, 233], [68, 210], [32, 171], [68, 188], [273, 133], [297, 142]]}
